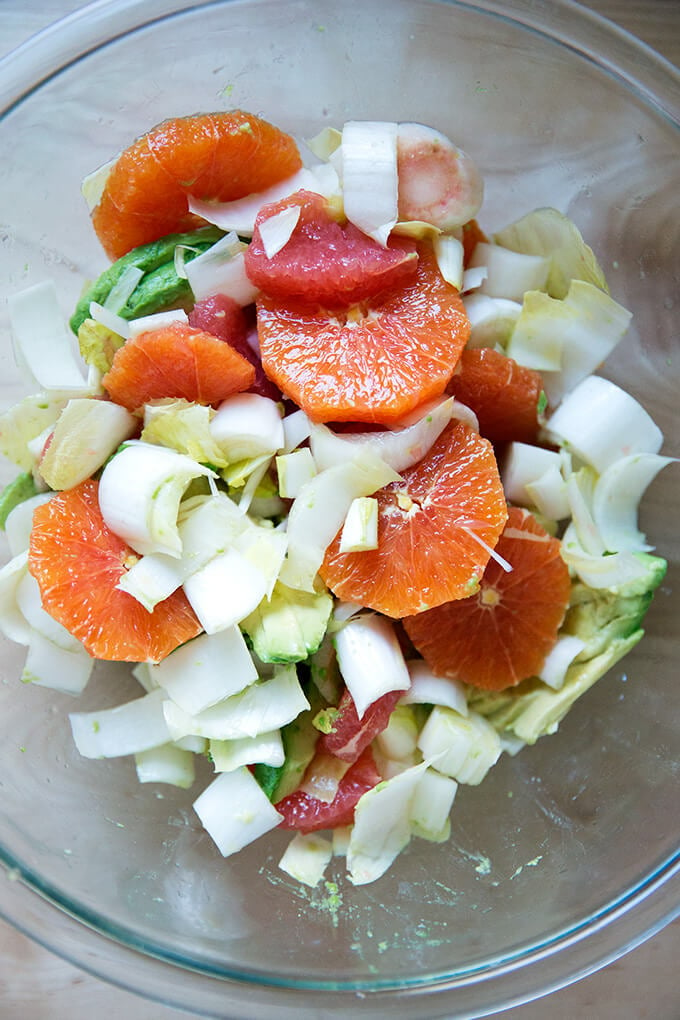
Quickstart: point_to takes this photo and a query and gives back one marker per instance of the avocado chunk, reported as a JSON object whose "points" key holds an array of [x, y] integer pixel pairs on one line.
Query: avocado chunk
{"points": [[289, 626], [17, 491], [160, 287]]}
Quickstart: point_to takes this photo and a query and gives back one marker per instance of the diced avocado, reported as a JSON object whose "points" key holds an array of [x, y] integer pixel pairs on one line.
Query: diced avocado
{"points": [[155, 290], [19, 490], [290, 626]]}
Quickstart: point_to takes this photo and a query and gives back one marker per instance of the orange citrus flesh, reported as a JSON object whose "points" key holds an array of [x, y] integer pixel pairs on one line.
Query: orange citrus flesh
{"points": [[372, 362], [504, 395], [176, 361], [472, 236], [209, 156], [427, 550], [324, 261], [77, 562], [502, 634]]}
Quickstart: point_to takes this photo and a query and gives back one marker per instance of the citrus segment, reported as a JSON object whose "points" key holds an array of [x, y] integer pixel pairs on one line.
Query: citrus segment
{"points": [[306, 813], [503, 394], [176, 361], [472, 236], [77, 562], [372, 362], [218, 156], [350, 735], [227, 320], [323, 261], [436, 528], [502, 634]]}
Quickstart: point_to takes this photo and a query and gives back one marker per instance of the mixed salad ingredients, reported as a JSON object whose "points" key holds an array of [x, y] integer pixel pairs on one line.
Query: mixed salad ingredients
{"points": [[334, 471]]}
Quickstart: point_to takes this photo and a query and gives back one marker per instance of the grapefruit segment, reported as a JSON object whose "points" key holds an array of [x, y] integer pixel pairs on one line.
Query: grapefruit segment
{"points": [[374, 361], [436, 529], [503, 394], [306, 813], [176, 361], [502, 634], [218, 156], [323, 261], [77, 562]]}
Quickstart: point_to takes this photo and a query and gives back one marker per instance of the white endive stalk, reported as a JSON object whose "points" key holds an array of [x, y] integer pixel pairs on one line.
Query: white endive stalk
{"points": [[617, 496], [369, 176], [449, 254], [306, 858], [370, 659], [509, 274], [87, 432], [206, 670], [234, 810], [221, 270], [277, 230], [265, 749], [56, 667], [126, 729], [139, 495], [492, 320], [43, 344], [318, 513], [167, 764], [600, 423], [429, 689]]}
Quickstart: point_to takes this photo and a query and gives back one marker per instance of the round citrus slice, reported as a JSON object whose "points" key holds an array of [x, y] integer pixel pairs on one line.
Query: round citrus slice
{"points": [[504, 395], [176, 361], [372, 362], [323, 261], [218, 156], [502, 634], [436, 529], [77, 562]]}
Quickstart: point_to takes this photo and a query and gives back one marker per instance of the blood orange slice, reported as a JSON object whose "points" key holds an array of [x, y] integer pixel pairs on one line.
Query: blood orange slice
{"points": [[309, 814], [220, 156], [502, 634], [77, 562], [505, 396], [435, 531], [323, 261], [376, 360], [176, 361]]}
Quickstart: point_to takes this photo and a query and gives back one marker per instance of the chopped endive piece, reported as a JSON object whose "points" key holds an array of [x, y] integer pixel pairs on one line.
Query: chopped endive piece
{"points": [[294, 470], [264, 749], [398, 448], [616, 572], [296, 428], [370, 660], [54, 666], [360, 530], [226, 590], [235, 811], [431, 806], [153, 578], [247, 425], [86, 434], [509, 274], [382, 825], [558, 660], [600, 423], [549, 495], [306, 858], [492, 320], [13, 623], [317, 514], [166, 764], [139, 495], [122, 289], [111, 321], [20, 522], [42, 341], [126, 729], [156, 320], [429, 689], [276, 231], [522, 466], [94, 183], [221, 270], [465, 747], [290, 625], [369, 176], [261, 707], [616, 497], [398, 741], [206, 670], [449, 253], [98, 344], [29, 601], [549, 233], [26, 420], [580, 486], [324, 144], [586, 325]]}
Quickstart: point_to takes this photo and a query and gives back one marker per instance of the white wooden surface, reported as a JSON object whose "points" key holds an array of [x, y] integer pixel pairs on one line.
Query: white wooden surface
{"points": [[35, 985]]}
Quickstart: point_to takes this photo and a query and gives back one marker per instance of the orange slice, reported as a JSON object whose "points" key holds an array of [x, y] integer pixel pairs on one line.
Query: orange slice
{"points": [[505, 396]]}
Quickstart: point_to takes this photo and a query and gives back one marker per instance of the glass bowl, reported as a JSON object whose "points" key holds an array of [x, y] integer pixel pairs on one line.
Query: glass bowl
{"points": [[568, 854]]}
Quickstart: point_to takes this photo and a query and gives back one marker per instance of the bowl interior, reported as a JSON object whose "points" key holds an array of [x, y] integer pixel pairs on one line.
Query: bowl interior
{"points": [[569, 830]]}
